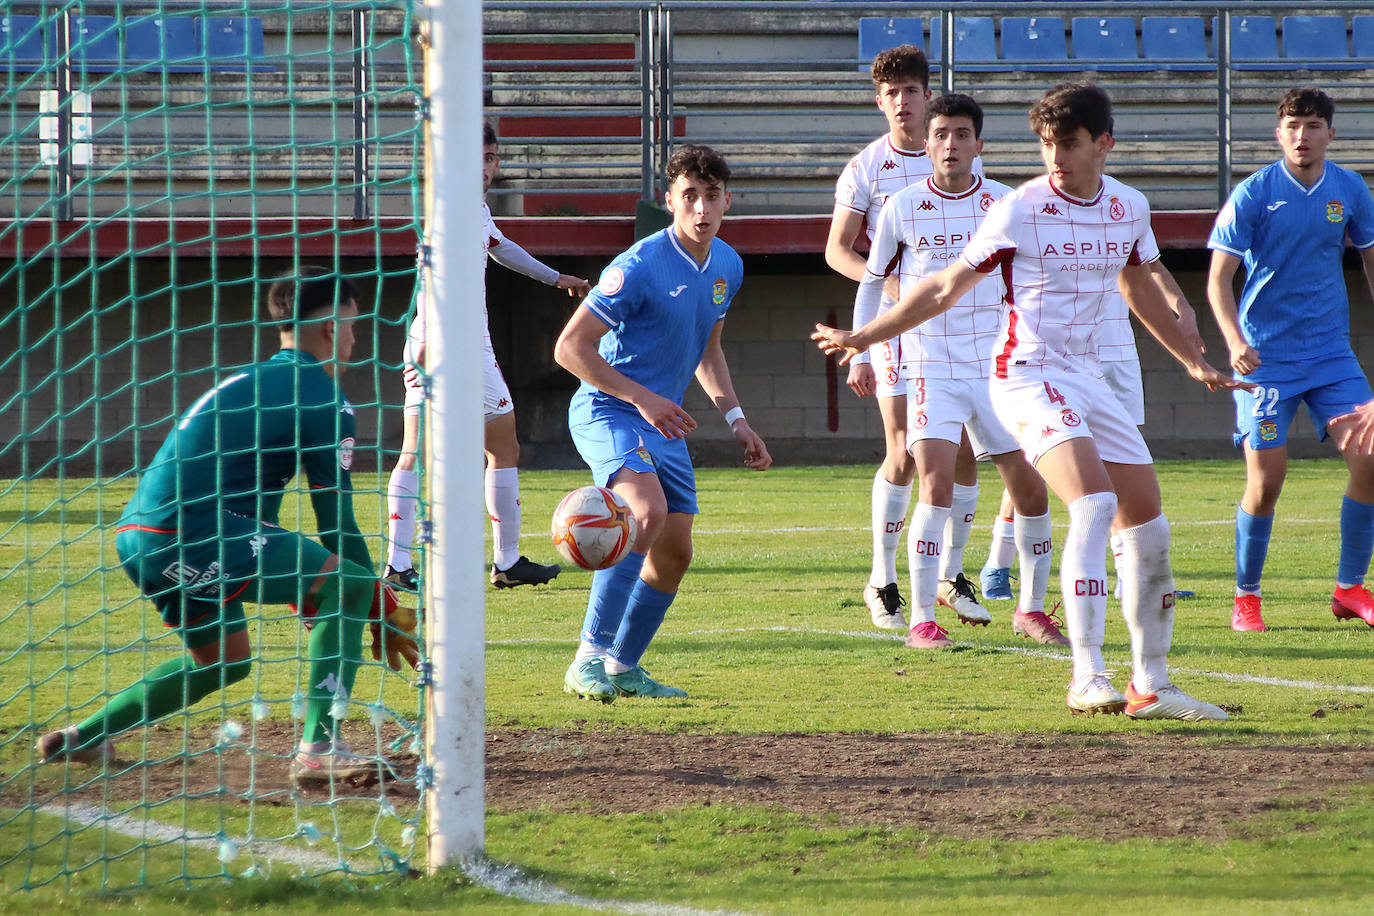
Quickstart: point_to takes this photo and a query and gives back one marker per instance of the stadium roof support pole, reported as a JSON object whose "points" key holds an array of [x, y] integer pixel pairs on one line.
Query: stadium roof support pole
{"points": [[455, 587]]}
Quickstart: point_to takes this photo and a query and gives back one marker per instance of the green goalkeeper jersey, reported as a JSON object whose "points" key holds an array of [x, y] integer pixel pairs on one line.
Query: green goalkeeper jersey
{"points": [[239, 445]]}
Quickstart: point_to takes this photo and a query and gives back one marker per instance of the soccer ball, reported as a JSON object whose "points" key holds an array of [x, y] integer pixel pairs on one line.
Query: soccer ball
{"points": [[594, 528]]}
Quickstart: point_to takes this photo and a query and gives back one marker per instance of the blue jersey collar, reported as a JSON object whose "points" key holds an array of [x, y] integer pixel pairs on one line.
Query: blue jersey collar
{"points": [[687, 255], [1283, 167]]}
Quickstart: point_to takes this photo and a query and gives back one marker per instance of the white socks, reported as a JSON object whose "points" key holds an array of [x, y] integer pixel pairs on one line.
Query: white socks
{"points": [[923, 559], [503, 505], [1034, 552], [960, 525], [1147, 600], [1083, 580], [1003, 549], [402, 499], [890, 503]]}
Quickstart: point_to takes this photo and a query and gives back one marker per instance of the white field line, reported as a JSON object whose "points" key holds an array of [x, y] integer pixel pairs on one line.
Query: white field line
{"points": [[1062, 655], [506, 880]]}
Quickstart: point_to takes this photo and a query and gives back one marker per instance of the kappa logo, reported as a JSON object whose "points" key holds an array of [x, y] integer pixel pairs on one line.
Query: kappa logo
{"points": [[889, 164], [1048, 431], [926, 205], [1335, 211], [256, 543], [677, 292], [347, 408], [1116, 210], [1051, 209], [503, 402]]}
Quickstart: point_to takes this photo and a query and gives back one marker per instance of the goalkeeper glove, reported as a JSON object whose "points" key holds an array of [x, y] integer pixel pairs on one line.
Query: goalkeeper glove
{"points": [[393, 629]]}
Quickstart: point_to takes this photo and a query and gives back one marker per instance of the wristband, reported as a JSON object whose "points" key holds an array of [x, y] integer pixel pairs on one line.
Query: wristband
{"points": [[733, 414]]}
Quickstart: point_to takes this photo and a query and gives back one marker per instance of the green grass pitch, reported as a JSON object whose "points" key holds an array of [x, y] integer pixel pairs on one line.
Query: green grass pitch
{"points": [[770, 638]]}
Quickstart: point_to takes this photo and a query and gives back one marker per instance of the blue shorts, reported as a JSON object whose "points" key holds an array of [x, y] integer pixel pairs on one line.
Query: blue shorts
{"points": [[1329, 388], [609, 439]]}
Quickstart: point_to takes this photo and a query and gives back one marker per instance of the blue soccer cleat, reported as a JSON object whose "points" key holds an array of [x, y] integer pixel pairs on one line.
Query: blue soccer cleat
{"points": [[996, 583]]}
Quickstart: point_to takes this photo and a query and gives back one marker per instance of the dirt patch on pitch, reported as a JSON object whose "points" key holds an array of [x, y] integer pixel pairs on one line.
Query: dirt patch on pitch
{"points": [[1109, 787]]}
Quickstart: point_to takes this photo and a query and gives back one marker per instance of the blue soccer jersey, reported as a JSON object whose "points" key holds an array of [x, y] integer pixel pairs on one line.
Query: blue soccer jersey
{"points": [[661, 306], [1293, 306]]}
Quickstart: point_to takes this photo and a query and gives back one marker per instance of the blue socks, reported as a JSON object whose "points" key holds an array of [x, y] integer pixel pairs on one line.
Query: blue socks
{"points": [[1252, 546], [609, 599], [1357, 541], [642, 619]]}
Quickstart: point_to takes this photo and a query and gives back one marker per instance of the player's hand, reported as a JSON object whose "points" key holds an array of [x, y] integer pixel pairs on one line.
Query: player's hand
{"points": [[833, 341], [575, 286], [411, 374], [1354, 431], [393, 629], [1216, 381], [668, 417], [755, 452], [892, 287], [862, 380], [1244, 359], [1187, 323]]}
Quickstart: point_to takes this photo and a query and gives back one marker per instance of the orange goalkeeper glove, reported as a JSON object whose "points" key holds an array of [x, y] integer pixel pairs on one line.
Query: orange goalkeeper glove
{"points": [[393, 629]]}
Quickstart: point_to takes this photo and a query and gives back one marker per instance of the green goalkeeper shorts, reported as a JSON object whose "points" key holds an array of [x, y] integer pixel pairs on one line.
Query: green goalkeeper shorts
{"points": [[199, 577]]}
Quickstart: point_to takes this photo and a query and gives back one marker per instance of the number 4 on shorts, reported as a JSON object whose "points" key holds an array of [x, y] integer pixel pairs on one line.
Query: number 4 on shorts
{"points": [[1053, 394]]}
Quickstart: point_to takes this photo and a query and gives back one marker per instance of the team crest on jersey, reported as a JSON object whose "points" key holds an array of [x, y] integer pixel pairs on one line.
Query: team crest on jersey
{"points": [[985, 202], [892, 375], [1069, 417], [643, 454], [611, 281], [1335, 211], [919, 421], [1051, 209], [718, 292], [1116, 210], [1268, 430], [346, 453], [845, 195]]}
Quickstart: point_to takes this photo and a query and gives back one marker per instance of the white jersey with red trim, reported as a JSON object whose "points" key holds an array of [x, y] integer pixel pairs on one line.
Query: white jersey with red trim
{"points": [[491, 237], [1116, 341], [921, 231], [878, 172], [1060, 258]]}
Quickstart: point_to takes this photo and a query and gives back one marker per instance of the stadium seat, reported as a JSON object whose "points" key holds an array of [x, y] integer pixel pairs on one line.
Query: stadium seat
{"points": [[1106, 43], [165, 41], [1035, 43], [975, 43], [1362, 39], [233, 43], [24, 43], [1181, 40], [1254, 43], [879, 34], [95, 43], [1316, 42]]}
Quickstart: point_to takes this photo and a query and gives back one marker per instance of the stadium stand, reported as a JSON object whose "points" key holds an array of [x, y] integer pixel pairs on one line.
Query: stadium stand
{"points": [[1035, 43], [1107, 43], [1254, 43], [975, 44], [878, 34], [1175, 42], [1317, 42]]}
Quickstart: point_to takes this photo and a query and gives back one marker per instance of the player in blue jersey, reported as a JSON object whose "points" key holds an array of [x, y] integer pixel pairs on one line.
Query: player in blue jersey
{"points": [[1290, 335], [200, 538], [652, 322]]}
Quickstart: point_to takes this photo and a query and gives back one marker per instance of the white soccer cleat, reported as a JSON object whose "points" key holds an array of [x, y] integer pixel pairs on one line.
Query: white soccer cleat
{"points": [[1169, 702], [1096, 696], [959, 596], [885, 606]]}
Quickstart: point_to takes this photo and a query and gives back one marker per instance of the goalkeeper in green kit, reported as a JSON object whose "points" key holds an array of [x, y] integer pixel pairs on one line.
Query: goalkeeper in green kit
{"points": [[200, 538]]}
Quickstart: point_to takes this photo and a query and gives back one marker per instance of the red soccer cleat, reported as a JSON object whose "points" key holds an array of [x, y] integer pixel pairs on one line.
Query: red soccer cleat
{"points": [[928, 635], [1246, 616], [1352, 603]]}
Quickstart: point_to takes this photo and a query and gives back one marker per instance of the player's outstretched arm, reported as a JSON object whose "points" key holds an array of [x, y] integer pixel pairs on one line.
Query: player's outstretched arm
{"points": [[1222, 297], [1354, 431], [713, 374], [575, 286], [1178, 304], [1147, 304], [576, 351]]}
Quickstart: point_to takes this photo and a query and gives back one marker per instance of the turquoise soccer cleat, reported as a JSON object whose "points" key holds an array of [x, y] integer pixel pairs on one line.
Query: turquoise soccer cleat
{"points": [[586, 680], [637, 683]]}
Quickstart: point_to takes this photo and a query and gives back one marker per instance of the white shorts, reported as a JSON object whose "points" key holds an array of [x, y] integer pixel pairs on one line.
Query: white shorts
{"points": [[1043, 410], [1123, 377], [496, 399], [941, 408], [886, 358]]}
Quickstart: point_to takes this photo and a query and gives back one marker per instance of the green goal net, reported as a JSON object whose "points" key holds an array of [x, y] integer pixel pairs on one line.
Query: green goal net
{"points": [[160, 163]]}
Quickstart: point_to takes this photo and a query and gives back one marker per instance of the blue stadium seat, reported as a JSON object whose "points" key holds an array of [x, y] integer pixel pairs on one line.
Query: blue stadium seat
{"points": [[1182, 40], [879, 34], [1035, 43], [95, 43], [1254, 43], [26, 44], [1316, 42], [975, 44], [165, 42], [233, 43], [1362, 39], [1106, 43]]}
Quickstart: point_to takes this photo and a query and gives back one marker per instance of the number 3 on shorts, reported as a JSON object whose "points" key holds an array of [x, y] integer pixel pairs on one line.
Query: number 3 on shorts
{"points": [[1053, 394], [1262, 409]]}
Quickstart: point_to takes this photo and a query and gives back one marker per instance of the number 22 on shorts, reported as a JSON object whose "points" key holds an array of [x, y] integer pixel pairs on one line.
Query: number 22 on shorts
{"points": [[1263, 408]]}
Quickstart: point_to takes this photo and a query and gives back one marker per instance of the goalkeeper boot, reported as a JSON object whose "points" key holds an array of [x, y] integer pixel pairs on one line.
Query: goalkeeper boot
{"points": [[524, 572], [66, 744], [885, 606], [321, 763], [958, 595], [408, 579], [586, 680], [637, 683]]}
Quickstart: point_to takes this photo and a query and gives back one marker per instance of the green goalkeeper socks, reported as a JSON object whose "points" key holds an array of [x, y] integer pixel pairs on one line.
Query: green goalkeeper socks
{"points": [[172, 686], [335, 652]]}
